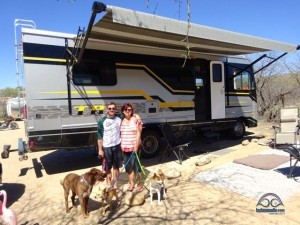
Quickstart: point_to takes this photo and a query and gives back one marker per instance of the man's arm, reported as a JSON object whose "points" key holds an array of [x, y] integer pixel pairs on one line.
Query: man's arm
{"points": [[100, 138], [139, 131], [138, 118], [100, 150]]}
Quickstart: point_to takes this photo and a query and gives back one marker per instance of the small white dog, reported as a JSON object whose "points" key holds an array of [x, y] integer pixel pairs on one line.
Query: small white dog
{"points": [[157, 184]]}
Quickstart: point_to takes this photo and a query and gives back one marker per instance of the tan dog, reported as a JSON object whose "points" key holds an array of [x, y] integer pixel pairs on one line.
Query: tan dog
{"points": [[82, 187], [107, 195], [157, 184]]}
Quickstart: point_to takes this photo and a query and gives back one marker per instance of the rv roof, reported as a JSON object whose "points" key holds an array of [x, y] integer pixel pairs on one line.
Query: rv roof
{"points": [[134, 28]]}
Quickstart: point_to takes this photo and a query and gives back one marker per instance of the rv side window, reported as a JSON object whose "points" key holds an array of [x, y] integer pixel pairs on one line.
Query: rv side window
{"points": [[94, 74], [199, 82], [217, 73], [242, 81]]}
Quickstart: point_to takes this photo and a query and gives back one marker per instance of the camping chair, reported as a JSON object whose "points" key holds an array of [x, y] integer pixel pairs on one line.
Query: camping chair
{"points": [[294, 154], [285, 132], [177, 146]]}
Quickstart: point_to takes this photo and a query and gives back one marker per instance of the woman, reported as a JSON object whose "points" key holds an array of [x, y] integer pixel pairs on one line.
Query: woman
{"points": [[131, 130]]}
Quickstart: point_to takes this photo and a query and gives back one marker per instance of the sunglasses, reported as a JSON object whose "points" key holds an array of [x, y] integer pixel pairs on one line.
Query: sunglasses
{"points": [[112, 109], [128, 110]]}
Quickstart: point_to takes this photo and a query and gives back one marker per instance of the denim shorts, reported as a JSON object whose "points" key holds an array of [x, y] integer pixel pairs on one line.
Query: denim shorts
{"points": [[131, 165], [113, 157]]}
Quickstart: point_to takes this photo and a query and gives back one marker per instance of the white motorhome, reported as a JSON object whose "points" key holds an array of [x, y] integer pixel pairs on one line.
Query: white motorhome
{"points": [[195, 81]]}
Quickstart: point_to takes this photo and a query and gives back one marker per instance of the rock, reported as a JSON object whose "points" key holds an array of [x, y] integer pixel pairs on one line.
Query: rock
{"points": [[254, 140], [172, 173], [202, 163], [135, 198], [204, 159], [245, 142]]}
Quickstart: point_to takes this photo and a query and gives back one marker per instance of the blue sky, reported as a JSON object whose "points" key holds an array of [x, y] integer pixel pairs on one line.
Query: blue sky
{"points": [[277, 20]]}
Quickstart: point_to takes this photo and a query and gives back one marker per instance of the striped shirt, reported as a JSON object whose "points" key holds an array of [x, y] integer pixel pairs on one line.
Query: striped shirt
{"points": [[128, 134]]}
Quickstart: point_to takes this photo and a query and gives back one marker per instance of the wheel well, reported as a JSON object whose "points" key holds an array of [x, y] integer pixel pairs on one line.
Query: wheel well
{"points": [[153, 127], [244, 120]]}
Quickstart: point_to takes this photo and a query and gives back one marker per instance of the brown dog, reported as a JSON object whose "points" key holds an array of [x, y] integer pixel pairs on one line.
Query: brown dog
{"points": [[82, 187], [107, 195]]}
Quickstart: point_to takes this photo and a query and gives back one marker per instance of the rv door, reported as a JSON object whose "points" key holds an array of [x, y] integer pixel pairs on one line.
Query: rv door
{"points": [[217, 90]]}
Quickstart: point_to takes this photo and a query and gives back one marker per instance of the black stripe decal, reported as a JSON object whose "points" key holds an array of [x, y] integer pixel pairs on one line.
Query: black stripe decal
{"points": [[44, 51], [62, 131], [90, 98], [238, 106]]}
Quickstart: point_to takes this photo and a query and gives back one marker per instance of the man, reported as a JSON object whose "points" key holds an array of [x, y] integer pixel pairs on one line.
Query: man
{"points": [[109, 141]]}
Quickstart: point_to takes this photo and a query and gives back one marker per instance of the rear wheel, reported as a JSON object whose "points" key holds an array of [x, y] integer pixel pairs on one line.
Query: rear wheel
{"points": [[13, 125], [238, 129], [151, 143]]}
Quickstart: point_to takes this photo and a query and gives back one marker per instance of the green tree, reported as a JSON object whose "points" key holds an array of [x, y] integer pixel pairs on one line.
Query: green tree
{"points": [[10, 92]]}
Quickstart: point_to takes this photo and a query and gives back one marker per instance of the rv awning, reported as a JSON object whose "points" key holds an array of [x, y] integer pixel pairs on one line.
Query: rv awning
{"points": [[134, 28]]}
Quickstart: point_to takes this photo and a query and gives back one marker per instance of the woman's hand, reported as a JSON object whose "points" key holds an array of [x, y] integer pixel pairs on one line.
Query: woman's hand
{"points": [[136, 147]]}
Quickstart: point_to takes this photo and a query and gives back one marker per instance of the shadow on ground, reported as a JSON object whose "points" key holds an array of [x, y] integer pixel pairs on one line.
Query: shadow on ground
{"points": [[14, 192], [200, 145], [286, 171], [61, 161]]}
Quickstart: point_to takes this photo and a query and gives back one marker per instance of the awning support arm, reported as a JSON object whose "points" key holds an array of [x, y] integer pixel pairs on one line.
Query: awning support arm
{"points": [[98, 7], [274, 60], [247, 67], [79, 47], [68, 76]]}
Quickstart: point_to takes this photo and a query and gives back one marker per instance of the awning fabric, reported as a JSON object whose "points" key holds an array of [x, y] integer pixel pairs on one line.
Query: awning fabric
{"points": [[137, 28]]}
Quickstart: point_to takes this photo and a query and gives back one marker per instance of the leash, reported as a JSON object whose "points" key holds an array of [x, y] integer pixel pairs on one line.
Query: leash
{"points": [[139, 163], [141, 178], [114, 180]]}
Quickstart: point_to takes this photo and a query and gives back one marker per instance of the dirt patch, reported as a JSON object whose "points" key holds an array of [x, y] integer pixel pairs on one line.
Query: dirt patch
{"points": [[35, 193]]}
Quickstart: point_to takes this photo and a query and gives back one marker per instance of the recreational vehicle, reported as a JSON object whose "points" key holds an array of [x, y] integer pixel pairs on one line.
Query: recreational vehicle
{"points": [[190, 76]]}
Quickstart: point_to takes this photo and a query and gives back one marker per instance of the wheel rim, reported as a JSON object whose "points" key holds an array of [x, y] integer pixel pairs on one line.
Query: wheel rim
{"points": [[13, 125], [150, 144], [238, 129]]}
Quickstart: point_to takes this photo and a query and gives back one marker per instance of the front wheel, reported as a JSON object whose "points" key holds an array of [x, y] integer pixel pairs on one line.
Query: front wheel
{"points": [[151, 143], [238, 129]]}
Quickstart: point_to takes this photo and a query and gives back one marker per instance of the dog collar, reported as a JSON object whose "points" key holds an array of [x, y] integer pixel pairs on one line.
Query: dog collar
{"points": [[84, 180]]}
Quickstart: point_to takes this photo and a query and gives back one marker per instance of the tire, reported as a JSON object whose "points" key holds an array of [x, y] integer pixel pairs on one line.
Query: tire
{"points": [[13, 125], [238, 129], [151, 144]]}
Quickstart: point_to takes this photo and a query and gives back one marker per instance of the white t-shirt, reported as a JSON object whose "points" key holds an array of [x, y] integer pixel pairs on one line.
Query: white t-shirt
{"points": [[109, 131]]}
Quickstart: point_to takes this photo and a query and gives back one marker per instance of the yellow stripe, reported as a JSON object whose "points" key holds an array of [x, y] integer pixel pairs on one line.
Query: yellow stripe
{"points": [[81, 108], [98, 107], [44, 59], [238, 93], [110, 92], [126, 92], [237, 103], [157, 77], [176, 104]]}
